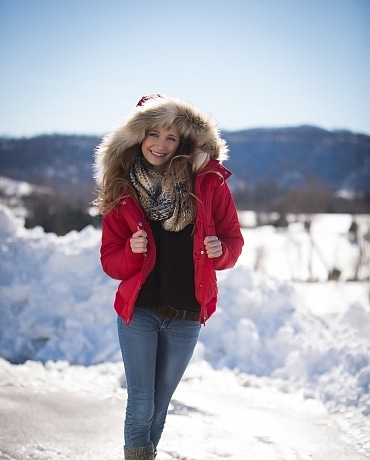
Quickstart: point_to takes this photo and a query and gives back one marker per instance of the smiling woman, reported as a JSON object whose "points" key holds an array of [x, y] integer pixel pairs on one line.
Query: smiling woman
{"points": [[159, 146], [169, 221]]}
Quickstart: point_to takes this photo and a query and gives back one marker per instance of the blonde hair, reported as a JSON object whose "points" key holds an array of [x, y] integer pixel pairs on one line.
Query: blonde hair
{"points": [[116, 178]]}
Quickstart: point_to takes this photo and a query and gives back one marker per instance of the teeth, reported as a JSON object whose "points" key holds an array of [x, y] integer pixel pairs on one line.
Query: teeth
{"points": [[157, 154]]}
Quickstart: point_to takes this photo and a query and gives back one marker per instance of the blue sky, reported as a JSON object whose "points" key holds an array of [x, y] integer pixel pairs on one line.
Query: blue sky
{"points": [[79, 66]]}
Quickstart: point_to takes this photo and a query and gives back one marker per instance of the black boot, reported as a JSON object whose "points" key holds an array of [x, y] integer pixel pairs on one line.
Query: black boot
{"points": [[139, 453]]}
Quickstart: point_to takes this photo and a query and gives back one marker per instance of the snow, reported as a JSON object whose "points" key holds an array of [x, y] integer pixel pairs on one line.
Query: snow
{"points": [[281, 371]]}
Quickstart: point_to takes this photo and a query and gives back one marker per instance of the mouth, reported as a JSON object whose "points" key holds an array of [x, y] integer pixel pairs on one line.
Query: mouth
{"points": [[156, 154]]}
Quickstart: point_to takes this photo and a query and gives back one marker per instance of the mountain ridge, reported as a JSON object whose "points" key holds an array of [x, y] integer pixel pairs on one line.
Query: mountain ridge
{"points": [[299, 169]]}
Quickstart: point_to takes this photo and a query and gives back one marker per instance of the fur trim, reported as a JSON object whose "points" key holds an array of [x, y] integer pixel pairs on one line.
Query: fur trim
{"points": [[161, 111]]}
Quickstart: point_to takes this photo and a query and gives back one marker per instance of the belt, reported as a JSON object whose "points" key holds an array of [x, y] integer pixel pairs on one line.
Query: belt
{"points": [[174, 313]]}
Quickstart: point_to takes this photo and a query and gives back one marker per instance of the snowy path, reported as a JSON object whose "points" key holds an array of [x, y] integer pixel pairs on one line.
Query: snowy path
{"points": [[73, 412], [299, 337]]}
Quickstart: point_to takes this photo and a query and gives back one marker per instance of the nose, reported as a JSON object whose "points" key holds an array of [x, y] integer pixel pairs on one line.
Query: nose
{"points": [[160, 143]]}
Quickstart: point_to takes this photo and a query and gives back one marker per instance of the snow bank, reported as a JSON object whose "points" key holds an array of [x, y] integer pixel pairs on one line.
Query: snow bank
{"points": [[331, 245], [55, 301], [56, 304]]}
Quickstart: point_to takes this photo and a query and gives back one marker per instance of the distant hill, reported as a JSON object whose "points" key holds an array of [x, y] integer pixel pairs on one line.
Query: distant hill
{"points": [[63, 162], [294, 156], [300, 169], [60, 167]]}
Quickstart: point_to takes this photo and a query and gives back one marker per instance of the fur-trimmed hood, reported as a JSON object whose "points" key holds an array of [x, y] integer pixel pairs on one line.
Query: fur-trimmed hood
{"points": [[162, 111]]}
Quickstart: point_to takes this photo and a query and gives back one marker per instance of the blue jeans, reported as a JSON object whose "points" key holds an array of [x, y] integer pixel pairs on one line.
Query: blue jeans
{"points": [[155, 352]]}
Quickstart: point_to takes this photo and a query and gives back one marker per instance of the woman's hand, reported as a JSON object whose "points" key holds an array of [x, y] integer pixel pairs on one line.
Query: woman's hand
{"points": [[213, 246], [139, 242]]}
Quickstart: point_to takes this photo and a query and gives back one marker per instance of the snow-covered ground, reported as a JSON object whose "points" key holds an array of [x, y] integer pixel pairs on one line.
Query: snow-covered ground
{"points": [[282, 370]]}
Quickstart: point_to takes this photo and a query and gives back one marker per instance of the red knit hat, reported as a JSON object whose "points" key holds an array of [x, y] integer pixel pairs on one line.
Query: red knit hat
{"points": [[147, 98]]}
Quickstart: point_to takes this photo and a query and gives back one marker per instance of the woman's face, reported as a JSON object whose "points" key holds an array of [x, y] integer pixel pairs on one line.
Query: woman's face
{"points": [[160, 145]]}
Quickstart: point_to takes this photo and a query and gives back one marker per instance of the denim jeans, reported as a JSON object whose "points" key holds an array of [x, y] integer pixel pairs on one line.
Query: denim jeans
{"points": [[155, 352]]}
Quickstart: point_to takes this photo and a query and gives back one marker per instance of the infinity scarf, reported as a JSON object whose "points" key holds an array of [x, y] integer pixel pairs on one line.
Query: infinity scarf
{"points": [[160, 197]]}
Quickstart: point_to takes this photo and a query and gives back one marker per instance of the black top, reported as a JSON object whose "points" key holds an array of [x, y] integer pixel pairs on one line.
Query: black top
{"points": [[171, 282]]}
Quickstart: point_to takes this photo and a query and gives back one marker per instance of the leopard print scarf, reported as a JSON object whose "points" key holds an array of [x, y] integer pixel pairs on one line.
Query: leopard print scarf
{"points": [[160, 197]]}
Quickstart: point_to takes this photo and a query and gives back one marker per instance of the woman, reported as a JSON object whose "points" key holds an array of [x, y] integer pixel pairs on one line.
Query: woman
{"points": [[169, 221]]}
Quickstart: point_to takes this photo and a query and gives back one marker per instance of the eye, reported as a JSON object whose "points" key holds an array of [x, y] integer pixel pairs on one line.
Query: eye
{"points": [[173, 139]]}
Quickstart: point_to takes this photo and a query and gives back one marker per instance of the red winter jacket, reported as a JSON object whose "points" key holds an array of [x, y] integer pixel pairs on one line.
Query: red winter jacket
{"points": [[216, 215]]}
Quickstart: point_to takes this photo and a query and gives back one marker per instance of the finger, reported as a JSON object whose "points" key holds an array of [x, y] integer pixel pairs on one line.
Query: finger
{"points": [[140, 234], [214, 254], [138, 245], [208, 239], [139, 242], [214, 248]]}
